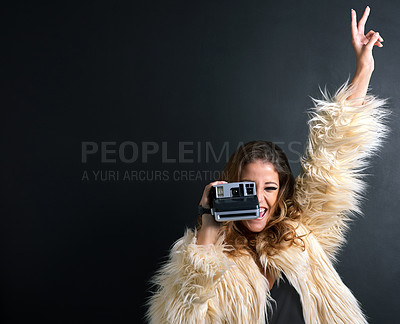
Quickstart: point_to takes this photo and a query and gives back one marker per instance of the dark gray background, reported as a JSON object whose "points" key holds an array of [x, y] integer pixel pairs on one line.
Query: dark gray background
{"points": [[221, 72]]}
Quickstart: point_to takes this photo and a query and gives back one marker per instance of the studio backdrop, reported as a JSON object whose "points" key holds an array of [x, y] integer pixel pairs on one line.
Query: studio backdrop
{"points": [[117, 114]]}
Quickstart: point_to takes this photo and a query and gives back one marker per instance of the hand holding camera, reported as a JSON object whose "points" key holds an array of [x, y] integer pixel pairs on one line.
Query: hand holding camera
{"points": [[226, 202], [209, 228], [205, 199]]}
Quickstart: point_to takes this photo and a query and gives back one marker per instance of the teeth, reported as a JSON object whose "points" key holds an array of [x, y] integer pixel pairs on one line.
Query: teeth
{"points": [[262, 212]]}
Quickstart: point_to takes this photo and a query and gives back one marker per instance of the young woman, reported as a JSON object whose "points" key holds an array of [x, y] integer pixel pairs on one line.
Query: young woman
{"points": [[279, 268]]}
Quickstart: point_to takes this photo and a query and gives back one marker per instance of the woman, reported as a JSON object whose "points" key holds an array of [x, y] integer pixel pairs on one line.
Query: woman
{"points": [[279, 267]]}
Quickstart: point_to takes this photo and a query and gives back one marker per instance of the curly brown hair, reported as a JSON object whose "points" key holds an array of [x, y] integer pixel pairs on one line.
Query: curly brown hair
{"points": [[279, 233]]}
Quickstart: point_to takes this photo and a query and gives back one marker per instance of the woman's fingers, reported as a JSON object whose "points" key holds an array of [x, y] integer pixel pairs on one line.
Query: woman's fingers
{"points": [[204, 199], [216, 183], [357, 30], [354, 29], [370, 33], [374, 38], [363, 20]]}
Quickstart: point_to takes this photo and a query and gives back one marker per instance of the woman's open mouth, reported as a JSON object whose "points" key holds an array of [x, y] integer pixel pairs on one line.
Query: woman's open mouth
{"points": [[263, 212]]}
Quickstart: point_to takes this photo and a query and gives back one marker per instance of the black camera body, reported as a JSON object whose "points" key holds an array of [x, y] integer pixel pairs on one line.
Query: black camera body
{"points": [[234, 201]]}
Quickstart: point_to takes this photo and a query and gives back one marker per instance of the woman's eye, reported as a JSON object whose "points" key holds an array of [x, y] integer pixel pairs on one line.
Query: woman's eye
{"points": [[270, 188]]}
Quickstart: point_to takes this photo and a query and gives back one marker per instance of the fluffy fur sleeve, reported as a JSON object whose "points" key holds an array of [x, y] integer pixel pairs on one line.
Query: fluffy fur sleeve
{"points": [[186, 283], [342, 137]]}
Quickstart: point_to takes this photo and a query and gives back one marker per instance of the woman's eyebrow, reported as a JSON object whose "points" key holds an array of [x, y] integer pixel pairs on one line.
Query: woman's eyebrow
{"points": [[268, 182]]}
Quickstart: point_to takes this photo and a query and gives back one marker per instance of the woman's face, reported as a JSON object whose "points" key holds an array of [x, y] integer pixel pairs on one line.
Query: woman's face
{"points": [[267, 186]]}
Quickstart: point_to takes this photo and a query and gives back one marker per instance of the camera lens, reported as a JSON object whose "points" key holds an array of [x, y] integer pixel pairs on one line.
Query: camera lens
{"points": [[235, 192], [249, 191]]}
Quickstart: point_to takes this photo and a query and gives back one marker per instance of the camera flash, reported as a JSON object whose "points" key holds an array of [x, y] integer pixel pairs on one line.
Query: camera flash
{"points": [[220, 191]]}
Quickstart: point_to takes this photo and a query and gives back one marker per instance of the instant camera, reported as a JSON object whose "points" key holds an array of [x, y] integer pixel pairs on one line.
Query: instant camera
{"points": [[234, 201]]}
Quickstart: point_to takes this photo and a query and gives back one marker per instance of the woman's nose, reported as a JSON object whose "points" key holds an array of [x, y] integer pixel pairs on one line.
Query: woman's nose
{"points": [[260, 196]]}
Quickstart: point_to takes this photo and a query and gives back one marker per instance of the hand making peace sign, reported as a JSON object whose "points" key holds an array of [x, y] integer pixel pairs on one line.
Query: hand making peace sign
{"points": [[363, 44]]}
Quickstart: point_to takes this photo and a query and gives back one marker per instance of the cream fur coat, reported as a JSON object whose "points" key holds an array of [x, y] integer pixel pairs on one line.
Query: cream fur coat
{"points": [[202, 284]]}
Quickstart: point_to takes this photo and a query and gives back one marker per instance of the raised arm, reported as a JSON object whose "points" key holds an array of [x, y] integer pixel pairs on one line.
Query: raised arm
{"points": [[345, 129]]}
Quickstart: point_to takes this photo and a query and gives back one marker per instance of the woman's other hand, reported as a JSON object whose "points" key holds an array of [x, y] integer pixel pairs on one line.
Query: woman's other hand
{"points": [[363, 44]]}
